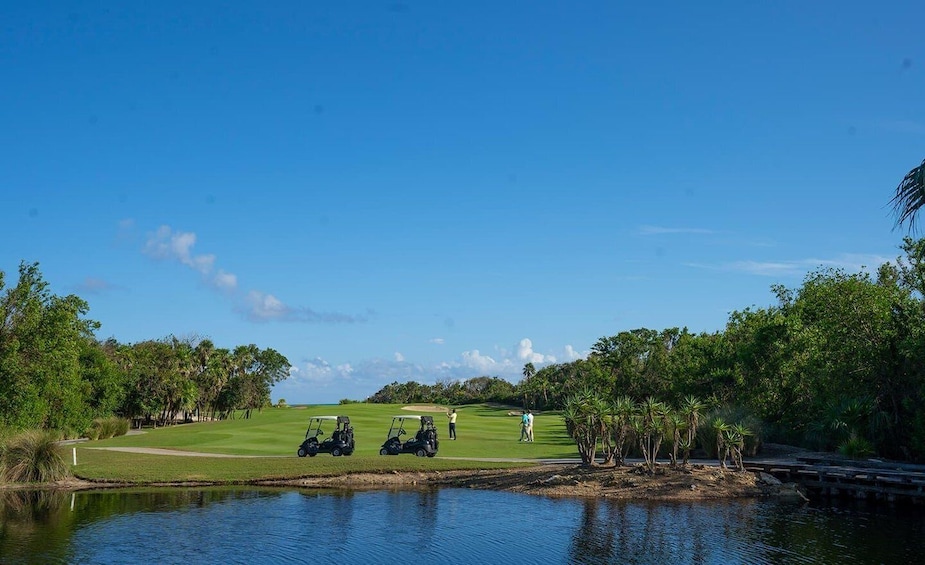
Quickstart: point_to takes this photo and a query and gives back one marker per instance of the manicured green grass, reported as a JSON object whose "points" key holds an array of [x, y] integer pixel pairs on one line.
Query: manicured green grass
{"points": [[484, 432], [141, 468]]}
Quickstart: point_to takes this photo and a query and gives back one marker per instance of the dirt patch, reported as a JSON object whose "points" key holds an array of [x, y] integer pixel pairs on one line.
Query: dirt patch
{"points": [[695, 483], [624, 483]]}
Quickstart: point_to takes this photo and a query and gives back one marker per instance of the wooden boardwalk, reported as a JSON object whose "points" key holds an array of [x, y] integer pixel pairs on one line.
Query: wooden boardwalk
{"points": [[872, 480]]}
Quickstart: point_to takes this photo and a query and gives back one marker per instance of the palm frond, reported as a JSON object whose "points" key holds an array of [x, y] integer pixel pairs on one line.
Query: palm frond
{"points": [[909, 197]]}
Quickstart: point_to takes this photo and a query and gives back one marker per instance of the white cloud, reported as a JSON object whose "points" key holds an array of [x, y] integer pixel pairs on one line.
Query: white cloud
{"points": [[167, 244], [526, 354], [364, 378], [319, 371], [265, 306], [572, 355], [225, 281], [482, 363], [437, 340]]}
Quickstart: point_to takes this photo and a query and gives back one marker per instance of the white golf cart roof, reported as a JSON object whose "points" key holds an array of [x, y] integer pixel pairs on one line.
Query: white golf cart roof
{"points": [[323, 418], [407, 417]]}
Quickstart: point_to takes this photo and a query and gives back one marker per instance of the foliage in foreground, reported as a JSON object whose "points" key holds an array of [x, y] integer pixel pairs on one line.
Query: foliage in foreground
{"points": [[32, 457]]}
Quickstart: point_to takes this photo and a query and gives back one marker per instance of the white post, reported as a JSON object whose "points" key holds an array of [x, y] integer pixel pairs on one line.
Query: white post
{"points": [[74, 449]]}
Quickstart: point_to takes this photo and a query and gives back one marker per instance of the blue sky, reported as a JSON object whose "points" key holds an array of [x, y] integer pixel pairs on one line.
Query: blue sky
{"points": [[428, 191]]}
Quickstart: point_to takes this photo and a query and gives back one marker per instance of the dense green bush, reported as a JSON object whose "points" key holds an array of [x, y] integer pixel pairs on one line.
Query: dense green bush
{"points": [[32, 457]]}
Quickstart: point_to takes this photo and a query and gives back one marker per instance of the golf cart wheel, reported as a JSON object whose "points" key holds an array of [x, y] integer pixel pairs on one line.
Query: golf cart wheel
{"points": [[312, 453], [302, 452], [336, 452], [432, 454], [420, 452], [383, 451]]}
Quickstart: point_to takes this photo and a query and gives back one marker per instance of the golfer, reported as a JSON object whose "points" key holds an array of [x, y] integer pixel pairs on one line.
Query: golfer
{"points": [[452, 417]]}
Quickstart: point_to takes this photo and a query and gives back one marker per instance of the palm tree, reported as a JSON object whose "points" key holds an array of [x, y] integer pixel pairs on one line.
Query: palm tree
{"points": [[722, 450], [692, 410], [584, 416], [619, 425], [734, 441], [910, 196], [676, 425], [529, 371], [650, 427]]}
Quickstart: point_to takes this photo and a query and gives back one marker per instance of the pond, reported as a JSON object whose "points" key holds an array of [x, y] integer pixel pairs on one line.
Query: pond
{"points": [[246, 525]]}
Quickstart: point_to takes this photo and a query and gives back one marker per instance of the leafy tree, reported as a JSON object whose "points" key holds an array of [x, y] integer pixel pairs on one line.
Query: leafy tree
{"points": [[42, 338]]}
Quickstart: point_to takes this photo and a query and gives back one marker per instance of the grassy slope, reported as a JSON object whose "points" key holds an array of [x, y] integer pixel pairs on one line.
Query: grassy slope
{"points": [[484, 432]]}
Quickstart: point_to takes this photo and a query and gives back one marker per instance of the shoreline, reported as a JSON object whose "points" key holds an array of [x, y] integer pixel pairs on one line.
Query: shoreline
{"points": [[694, 483]]}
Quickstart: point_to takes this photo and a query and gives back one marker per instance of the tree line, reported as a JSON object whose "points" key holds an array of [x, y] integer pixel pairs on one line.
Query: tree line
{"points": [[836, 363], [55, 374]]}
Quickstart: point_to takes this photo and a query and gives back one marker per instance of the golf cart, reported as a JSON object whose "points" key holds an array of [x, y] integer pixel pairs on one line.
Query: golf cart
{"points": [[340, 442], [423, 443]]}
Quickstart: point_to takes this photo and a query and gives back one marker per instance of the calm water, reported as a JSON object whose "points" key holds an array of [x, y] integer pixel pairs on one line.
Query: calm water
{"points": [[438, 526]]}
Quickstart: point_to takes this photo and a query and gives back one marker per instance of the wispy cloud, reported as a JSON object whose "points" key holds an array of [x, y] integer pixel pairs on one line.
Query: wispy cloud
{"points": [[851, 262], [437, 340], [258, 306], [92, 285], [661, 230], [900, 126], [167, 244]]}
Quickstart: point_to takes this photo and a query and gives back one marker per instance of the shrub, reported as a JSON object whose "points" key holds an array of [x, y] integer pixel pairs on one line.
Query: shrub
{"points": [[32, 457], [107, 428], [856, 447], [121, 426]]}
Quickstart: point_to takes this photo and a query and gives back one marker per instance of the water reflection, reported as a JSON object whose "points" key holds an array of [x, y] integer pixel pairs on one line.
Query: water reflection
{"points": [[446, 526]]}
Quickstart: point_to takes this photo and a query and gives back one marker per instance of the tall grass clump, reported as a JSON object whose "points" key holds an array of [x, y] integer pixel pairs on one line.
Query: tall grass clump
{"points": [[32, 457], [105, 428]]}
